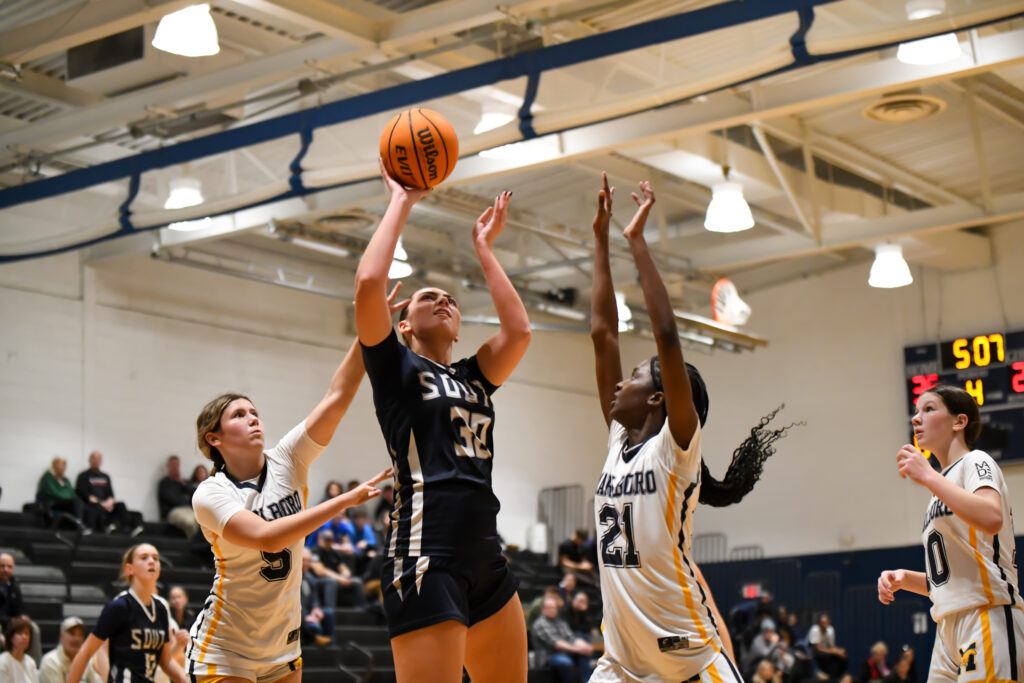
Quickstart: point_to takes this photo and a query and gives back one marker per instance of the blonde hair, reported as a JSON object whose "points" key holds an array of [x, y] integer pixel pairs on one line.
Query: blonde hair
{"points": [[209, 421], [128, 558]]}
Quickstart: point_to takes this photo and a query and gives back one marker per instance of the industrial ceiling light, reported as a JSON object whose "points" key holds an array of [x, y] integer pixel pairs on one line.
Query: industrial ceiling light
{"points": [[728, 210], [625, 315], [889, 269], [184, 192], [399, 266], [191, 226], [492, 116], [189, 32], [935, 49]]}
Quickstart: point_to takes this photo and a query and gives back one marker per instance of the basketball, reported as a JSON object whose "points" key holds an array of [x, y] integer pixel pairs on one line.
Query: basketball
{"points": [[419, 148]]}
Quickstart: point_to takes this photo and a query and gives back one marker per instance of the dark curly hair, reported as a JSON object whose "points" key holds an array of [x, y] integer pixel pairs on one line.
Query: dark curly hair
{"points": [[748, 459]]}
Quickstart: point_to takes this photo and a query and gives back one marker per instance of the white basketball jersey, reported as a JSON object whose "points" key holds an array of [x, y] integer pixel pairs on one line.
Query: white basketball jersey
{"points": [[657, 624], [967, 568], [253, 609]]}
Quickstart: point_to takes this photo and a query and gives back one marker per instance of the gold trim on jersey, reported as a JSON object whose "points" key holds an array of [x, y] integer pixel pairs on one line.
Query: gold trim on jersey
{"points": [[218, 605], [973, 540], [670, 521]]}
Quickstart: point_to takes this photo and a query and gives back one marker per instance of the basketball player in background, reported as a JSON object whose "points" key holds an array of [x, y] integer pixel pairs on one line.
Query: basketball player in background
{"points": [[136, 625], [660, 621], [971, 566], [252, 511], [449, 596]]}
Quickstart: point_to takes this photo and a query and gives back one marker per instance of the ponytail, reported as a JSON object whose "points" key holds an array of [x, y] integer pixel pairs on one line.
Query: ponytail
{"points": [[746, 465]]}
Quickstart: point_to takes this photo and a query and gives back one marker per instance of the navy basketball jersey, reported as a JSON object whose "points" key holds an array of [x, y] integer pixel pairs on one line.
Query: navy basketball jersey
{"points": [[438, 423], [137, 634]]}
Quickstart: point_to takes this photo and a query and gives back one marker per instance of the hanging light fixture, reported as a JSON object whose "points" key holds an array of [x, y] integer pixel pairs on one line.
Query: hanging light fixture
{"points": [[184, 192], [492, 116], [625, 315], [399, 265], [935, 49], [189, 32], [889, 269], [728, 210]]}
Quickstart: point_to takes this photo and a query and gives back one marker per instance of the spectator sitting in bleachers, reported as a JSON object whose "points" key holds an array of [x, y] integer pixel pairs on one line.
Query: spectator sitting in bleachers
{"points": [[364, 541], [16, 666], [56, 662], [317, 617], [327, 561], [55, 492], [572, 559], [12, 605], [566, 588], [763, 646], [183, 616], [830, 658], [576, 616], [557, 648], [875, 669], [905, 670], [766, 673], [175, 500], [332, 490], [199, 475], [338, 526], [532, 610], [101, 511]]}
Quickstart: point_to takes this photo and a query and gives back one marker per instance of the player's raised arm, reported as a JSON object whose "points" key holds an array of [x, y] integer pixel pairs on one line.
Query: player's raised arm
{"points": [[682, 416], [499, 355], [373, 317], [323, 421], [604, 317]]}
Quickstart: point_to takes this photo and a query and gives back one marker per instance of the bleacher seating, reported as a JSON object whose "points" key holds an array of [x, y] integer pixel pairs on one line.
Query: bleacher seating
{"points": [[64, 573]]}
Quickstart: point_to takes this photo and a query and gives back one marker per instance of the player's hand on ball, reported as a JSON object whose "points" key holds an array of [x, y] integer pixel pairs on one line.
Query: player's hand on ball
{"points": [[910, 462], [492, 221], [399, 191], [890, 581]]}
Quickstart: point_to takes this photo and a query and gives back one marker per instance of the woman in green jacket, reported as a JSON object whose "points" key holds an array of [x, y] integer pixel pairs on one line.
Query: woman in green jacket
{"points": [[56, 493]]}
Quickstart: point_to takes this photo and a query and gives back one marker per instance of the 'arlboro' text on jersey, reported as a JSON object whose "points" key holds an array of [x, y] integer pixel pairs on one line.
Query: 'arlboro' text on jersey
{"points": [[657, 624]]}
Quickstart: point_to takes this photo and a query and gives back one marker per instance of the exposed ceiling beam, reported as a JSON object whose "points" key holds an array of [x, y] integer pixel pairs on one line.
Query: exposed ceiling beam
{"points": [[50, 90], [81, 23], [133, 105], [323, 17], [852, 234]]}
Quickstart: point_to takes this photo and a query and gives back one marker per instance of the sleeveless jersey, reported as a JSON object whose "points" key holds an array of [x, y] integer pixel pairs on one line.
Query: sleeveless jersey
{"points": [[967, 568], [136, 634], [253, 608], [437, 422], [657, 624]]}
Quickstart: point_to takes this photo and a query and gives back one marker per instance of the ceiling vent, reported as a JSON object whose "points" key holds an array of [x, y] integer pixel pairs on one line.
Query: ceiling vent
{"points": [[904, 107]]}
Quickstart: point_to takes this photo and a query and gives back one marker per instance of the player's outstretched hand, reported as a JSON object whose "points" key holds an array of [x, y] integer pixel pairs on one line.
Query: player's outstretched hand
{"points": [[910, 462], [395, 308], [491, 221], [644, 202], [604, 207], [367, 490], [890, 581]]}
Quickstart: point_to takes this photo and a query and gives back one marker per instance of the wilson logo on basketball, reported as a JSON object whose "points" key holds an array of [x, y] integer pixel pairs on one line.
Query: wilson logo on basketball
{"points": [[419, 148]]}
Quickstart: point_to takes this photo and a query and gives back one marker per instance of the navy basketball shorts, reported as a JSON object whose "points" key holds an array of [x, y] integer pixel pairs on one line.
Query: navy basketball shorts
{"points": [[423, 591]]}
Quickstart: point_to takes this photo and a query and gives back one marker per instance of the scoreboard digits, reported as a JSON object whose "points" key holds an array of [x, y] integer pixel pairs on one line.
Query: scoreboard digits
{"points": [[990, 367]]}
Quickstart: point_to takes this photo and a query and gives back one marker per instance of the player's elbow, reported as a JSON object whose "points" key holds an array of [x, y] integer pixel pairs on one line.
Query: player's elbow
{"points": [[991, 524], [368, 284]]}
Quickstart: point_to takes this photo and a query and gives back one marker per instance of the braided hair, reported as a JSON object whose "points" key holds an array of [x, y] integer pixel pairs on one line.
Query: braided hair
{"points": [[748, 459]]}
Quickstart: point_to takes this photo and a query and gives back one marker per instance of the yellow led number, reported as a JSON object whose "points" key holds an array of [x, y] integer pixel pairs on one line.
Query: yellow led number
{"points": [[980, 350]]}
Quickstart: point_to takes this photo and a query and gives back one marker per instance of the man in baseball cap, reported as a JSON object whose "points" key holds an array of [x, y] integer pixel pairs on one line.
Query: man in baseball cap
{"points": [[55, 664]]}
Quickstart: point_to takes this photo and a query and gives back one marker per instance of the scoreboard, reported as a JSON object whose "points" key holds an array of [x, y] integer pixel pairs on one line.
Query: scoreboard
{"points": [[990, 367]]}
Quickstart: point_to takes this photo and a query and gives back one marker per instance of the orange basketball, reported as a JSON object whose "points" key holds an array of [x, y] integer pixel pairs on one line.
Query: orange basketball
{"points": [[419, 148]]}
